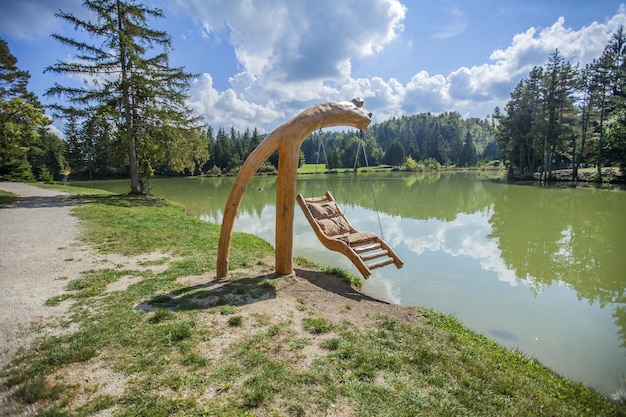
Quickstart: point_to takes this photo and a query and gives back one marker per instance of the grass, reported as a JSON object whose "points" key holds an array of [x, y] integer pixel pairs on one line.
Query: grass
{"points": [[321, 169], [194, 352], [6, 198], [312, 169]]}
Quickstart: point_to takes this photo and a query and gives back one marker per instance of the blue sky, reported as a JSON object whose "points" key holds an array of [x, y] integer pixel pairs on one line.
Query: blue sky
{"points": [[260, 62]]}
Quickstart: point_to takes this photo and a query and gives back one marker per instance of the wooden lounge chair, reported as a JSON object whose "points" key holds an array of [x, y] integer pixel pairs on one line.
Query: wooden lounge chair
{"points": [[366, 250]]}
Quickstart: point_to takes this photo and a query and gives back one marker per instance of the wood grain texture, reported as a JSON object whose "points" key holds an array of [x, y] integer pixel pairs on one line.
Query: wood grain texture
{"points": [[286, 139]]}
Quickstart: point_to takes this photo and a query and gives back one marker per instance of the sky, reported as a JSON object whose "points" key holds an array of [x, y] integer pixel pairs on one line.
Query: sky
{"points": [[258, 63]]}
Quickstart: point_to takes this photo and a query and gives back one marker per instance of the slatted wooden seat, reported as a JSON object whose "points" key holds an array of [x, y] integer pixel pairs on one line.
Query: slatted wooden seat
{"points": [[366, 250]]}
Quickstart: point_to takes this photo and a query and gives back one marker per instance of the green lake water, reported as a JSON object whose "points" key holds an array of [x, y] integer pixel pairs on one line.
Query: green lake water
{"points": [[539, 269]]}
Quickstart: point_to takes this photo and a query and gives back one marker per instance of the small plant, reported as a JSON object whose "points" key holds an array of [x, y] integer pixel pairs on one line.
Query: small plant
{"points": [[410, 164], [296, 410], [56, 300], [301, 304], [46, 176], [226, 310], [316, 325], [346, 276], [235, 321], [268, 283], [6, 198], [160, 315], [330, 344]]}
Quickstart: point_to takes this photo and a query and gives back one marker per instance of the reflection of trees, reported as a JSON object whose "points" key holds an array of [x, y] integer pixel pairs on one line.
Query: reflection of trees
{"points": [[205, 197], [419, 196], [567, 235]]}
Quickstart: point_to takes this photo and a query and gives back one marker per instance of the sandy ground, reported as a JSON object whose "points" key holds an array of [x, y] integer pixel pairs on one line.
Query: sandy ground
{"points": [[40, 252], [37, 235]]}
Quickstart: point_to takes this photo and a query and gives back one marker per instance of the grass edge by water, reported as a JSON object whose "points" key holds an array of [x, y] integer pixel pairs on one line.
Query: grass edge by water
{"points": [[434, 366]]}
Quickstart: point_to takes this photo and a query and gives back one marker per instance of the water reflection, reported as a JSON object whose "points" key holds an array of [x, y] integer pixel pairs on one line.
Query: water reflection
{"points": [[539, 269], [572, 237]]}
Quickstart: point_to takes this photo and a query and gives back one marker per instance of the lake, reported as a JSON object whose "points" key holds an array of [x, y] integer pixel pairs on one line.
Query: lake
{"points": [[539, 269]]}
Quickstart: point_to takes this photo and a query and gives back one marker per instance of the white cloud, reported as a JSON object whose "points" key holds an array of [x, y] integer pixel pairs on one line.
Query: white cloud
{"points": [[456, 23], [290, 52], [226, 109], [293, 56], [281, 41]]}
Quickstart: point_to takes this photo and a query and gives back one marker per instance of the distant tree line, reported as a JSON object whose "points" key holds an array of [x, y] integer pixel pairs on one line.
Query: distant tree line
{"points": [[563, 116], [446, 139]]}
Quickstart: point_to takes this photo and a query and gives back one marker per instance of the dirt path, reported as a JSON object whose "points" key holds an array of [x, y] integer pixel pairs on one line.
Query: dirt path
{"points": [[36, 243], [38, 256]]}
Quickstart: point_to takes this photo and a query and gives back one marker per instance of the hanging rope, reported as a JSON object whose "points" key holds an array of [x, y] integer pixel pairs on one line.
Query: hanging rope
{"points": [[380, 225], [323, 147], [354, 171]]}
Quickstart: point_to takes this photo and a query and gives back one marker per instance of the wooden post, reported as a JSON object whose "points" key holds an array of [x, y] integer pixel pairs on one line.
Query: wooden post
{"points": [[286, 139]]}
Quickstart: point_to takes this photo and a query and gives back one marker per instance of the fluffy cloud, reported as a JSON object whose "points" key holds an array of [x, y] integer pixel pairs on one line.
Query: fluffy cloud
{"points": [[226, 109], [294, 55], [281, 41]]}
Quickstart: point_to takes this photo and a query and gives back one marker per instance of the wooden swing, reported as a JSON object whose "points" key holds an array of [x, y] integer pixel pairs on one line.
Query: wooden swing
{"points": [[366, 250], [286, 139]]}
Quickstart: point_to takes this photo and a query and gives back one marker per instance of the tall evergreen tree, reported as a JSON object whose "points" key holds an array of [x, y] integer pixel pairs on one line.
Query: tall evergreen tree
{"points": [[21, 116], [142, 95], [395, 154], [558, 86], [616, 122], [467, 156]]}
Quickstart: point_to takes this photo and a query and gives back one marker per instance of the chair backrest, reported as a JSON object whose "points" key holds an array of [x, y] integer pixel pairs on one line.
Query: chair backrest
{"points": [[330, 218]]}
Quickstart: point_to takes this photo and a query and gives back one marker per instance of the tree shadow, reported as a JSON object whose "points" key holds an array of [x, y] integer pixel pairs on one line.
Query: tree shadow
{"points": [[335, 285], [60, 200], [125, 200], [215, 294]]}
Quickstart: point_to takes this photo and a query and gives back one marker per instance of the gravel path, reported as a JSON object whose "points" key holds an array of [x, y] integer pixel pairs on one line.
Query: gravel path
{"points": [[37, 247], [39, 254]]}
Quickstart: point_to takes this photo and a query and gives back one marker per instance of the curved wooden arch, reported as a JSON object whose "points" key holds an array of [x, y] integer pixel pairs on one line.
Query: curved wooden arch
{"points": [[286, 139]]}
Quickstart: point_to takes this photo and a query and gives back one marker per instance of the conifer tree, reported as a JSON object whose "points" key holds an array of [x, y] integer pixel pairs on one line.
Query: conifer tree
{"points": [[21, 116], [130, 81]]}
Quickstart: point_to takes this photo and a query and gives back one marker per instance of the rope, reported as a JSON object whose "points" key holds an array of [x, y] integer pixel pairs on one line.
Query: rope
{"points": [[356, 160], [317, 162], [321, 144], [380, 225]]}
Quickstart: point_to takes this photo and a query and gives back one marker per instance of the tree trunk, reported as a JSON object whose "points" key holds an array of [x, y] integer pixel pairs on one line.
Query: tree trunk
{"points": [[133, 165], [129, 134]]}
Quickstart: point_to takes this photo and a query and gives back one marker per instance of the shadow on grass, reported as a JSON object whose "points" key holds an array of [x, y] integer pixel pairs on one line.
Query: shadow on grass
{"points": [[44, 201], [215, 294], [124, 200], [334, 284]]}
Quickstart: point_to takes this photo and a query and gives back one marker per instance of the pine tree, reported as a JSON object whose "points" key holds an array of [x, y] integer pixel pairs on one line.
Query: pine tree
{"points": [[21, 115], [140, 93]]}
